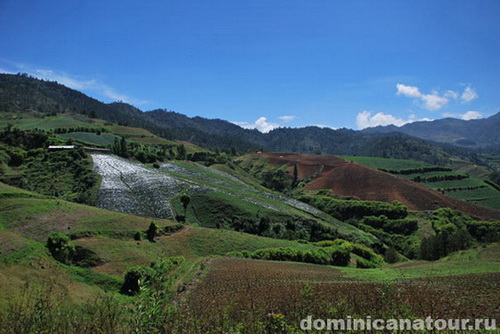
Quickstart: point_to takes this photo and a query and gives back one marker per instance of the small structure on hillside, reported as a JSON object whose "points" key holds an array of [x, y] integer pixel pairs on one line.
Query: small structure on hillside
{"points": [[62, 147]]}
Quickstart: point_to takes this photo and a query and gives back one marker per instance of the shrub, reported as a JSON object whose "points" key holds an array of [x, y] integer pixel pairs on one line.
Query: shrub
{"points": [[278, 254], [134, 277], [329, 243], [391, 255], [363, 251], [243, 254], [152, 232], [61, 247], [165, 265], [484, 231], [156, 272], [340, 256], [404, 226], [447, 240], [320, 256], [364, 264]]}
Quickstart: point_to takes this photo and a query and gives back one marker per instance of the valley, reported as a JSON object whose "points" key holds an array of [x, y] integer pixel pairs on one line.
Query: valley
{"points": [[188, 225]]}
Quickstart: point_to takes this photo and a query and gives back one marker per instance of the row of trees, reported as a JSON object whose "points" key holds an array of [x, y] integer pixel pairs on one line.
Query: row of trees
{"points": [[97, 131], [444, 190], [153, 153], [419, 170], [439, 178]]}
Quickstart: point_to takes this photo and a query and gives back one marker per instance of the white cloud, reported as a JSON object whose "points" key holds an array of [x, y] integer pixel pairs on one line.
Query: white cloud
{"points": [[451, 94], [432, 101], [365, 119], [468, 95], [325, 126], [242, 124], [471, 115], [64, 79], [287, 118], [409, 91], [79, 84], [260, 124]]}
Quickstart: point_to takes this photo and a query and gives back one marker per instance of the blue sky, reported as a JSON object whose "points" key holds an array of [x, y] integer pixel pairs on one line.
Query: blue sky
{"points": [[267, 63]]}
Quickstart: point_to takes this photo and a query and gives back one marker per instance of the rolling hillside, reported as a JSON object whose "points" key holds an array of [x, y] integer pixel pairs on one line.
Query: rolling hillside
{"points": [[134, 188], [351, 180], [187, 240]]}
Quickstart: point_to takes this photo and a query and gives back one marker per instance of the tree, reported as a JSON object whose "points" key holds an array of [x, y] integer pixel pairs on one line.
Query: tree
{"points": [[185, 200], [135, 278], [123, 148], [181, 152], [295, 176], [391, 255], [152, 232], [120, 147]]}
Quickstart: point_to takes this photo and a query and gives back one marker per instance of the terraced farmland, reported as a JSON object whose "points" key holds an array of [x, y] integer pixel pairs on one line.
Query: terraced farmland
{"points": [[459, 184], [134, 188]]}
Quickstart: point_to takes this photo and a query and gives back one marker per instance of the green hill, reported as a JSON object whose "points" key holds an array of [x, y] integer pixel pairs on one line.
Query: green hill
{"points": [[187, 240]]}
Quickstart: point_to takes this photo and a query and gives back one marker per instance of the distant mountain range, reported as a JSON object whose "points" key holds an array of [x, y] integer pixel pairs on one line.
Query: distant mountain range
{"points": [[480, 133], [22, 93]]}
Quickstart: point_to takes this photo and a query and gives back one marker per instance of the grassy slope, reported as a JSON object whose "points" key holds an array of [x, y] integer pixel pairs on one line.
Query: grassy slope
{"points": [[27, 219], [481, 259], [229, 193]]}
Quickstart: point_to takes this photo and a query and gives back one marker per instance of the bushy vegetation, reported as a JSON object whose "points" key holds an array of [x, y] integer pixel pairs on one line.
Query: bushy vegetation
{"points": [[64, 250], [404, 226], [334, 255], [451, 234], [329, 252], [484, 231], [25, 140], [64, 174], [407, 245], [61, 247], [143, 276], [354, 209]]}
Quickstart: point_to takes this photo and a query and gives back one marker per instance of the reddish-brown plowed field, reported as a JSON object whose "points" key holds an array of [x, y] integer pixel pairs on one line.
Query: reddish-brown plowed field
{"points": [[353, 180], [296, 289]]}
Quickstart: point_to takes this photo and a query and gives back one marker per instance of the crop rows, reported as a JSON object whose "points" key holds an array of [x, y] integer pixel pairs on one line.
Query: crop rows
{"points": [[295, 291]]}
